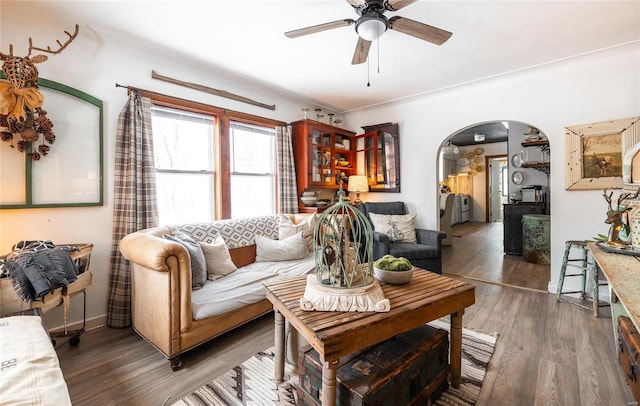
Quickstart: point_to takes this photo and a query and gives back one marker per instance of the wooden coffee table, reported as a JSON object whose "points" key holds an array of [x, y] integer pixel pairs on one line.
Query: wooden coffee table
{"points": [[427, 297]]}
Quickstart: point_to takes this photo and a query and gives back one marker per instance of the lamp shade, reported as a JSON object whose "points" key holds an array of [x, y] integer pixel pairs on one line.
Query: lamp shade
{"points": [[450, 149], [358, 184]]}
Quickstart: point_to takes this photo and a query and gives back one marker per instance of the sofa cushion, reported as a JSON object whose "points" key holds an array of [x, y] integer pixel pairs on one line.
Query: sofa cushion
{"points": [[244, 286], [293, 247], [398, 227], [218, 259], [198, 263], [287, 229]]}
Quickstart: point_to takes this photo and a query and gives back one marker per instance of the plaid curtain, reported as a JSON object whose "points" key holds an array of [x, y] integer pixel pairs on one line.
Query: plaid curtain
{"points": [[287, 189], [134, 198]]}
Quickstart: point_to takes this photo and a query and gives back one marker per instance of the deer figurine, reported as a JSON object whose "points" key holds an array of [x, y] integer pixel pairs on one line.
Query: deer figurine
{"points": [[615, 216], [21, 113]]}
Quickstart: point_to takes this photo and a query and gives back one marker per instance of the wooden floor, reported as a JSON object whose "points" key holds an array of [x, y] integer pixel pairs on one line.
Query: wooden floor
{"points": [[477, 252], [546, 354]]}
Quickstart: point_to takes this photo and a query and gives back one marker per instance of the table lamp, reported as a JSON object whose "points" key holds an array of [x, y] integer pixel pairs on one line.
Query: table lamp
{"points": [[358, 184]]}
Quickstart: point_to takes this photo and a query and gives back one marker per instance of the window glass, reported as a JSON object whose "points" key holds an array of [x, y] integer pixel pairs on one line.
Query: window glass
{"points": [[182, 140], [253, 163], [185, 198], [184, 156]]}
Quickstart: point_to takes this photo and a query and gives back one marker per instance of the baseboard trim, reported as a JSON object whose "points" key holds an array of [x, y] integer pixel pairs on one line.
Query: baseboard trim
{"points": [[92, 323]]}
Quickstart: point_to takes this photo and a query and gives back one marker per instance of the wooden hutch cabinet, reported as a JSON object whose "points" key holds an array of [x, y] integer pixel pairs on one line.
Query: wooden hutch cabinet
{"points": [[324, 154]]}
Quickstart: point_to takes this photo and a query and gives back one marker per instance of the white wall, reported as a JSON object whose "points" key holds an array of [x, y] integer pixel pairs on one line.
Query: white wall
{"points": [[93, 63], [589, 88]]}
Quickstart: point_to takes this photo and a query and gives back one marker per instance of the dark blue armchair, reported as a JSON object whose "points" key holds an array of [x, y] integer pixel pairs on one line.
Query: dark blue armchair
{"points": [[426, 253]]}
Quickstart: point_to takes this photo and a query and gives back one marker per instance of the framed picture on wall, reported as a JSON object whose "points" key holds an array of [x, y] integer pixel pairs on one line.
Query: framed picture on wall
{"points": [[595, 153]]}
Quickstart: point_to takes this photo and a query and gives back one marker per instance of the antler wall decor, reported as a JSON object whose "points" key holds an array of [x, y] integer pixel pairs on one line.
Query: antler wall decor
{"points": [[21, 115]]}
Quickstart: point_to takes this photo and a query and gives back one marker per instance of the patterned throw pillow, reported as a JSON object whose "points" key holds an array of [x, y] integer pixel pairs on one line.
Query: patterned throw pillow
{"points": [[287, 229], [268, 250], [218, 259], [198, 264], [398, 227]]}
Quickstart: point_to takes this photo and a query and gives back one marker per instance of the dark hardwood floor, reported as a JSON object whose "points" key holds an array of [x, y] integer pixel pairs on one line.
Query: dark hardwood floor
{"points": [[546, 354], [477, 253]]}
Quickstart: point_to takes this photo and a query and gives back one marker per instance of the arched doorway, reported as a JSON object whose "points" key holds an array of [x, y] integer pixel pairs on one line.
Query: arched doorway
{"points": [[495, 165]]}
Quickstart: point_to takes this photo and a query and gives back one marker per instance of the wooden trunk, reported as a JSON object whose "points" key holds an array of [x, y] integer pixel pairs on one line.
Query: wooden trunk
{"points": [[628, 349], [409, 369]]}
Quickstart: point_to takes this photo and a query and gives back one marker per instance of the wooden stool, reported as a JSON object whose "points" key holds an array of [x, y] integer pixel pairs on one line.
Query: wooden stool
{"points": [[585, 267]]}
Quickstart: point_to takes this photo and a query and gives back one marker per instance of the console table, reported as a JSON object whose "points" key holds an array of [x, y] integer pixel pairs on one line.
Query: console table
{"points": [[427, 297], [623, 273]]}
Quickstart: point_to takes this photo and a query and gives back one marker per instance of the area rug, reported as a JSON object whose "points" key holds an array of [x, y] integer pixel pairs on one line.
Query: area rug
{"points": [[252, 383]]}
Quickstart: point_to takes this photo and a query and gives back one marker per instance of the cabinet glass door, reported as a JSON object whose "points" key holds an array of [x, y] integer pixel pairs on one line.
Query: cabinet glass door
{"points": [[321, 159]]}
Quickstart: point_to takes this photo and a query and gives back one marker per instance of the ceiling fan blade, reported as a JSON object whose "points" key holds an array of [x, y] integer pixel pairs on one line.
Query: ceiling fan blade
{"points": [[395, 5], [319, 28], [361, 52], [419, 30], [357, 3]]}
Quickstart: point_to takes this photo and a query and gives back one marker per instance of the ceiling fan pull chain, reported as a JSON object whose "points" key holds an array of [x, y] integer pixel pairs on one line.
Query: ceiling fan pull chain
{"points": [[368, 82], [378, 45]]}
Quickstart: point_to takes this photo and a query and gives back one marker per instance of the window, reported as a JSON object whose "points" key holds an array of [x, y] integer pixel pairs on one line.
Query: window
{"points": [[253, 166], [198, 181], [185, 162]]}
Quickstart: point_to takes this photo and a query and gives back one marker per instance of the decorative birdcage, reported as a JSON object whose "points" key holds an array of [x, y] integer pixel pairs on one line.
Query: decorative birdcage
{"points": [[344, 279]]}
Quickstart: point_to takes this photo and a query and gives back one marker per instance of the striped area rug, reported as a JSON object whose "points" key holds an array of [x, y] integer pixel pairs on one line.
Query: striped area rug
{"points": [[252, 383]]}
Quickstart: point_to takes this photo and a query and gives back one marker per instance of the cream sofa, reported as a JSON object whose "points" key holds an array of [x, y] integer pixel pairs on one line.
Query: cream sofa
{"points": [[174, 318]]}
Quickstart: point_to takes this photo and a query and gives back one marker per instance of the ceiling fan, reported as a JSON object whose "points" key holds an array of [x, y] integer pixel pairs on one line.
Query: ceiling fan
{"points": [[372, 23]]}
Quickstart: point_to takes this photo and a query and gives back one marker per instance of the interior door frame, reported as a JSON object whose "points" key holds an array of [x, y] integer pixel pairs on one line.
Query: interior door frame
{"points": [[487, 189]]}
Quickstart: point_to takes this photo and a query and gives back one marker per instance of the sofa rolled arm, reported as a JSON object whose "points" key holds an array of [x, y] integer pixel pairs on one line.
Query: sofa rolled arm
{"points": [[431, 238], [150, 250]]}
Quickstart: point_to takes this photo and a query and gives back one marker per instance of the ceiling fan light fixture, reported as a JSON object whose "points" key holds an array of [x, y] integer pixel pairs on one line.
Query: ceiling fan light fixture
{"points": [[370, 28]]}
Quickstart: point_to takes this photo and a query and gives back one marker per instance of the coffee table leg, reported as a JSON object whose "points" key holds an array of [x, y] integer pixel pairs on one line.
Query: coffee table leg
{"points": [[329, 370], [279, 346], [456, 348]]}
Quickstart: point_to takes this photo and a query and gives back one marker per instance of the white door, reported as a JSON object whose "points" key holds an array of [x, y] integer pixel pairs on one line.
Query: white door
{"points": [[498, 184]]}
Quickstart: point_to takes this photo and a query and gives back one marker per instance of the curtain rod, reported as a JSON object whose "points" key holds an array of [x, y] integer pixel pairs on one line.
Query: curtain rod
{"points": [[223, 110]]}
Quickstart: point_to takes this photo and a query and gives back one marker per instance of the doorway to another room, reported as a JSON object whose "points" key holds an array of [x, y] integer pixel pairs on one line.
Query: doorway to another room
{"points": [[497, 186], [495, 166]]}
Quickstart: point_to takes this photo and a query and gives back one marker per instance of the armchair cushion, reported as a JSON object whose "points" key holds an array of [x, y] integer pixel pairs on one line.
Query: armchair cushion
{"points": [[398, 227]]}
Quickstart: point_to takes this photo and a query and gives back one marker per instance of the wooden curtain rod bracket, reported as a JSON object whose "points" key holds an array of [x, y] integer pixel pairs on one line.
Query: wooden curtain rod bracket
{"points": [[211, 90]]}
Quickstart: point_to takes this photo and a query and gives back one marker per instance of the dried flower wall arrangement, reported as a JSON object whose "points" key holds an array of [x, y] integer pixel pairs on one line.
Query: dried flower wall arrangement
{"points": [[22, 118]]}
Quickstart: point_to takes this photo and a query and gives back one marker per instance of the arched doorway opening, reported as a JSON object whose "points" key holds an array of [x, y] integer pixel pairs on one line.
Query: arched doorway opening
{"points": [[497, 171]]}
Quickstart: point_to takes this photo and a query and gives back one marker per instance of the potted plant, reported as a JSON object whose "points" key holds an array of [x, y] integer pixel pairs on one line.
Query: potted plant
{"points": [[392, 270]]}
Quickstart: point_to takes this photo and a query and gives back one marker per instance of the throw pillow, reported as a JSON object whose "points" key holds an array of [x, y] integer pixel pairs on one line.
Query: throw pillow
{"points": [[198, 264], [287, 229], [268, 250], [218, 259], [398, 227]]}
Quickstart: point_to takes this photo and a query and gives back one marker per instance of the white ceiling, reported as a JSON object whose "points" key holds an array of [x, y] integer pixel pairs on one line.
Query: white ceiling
{"points": [[246, 39]]}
